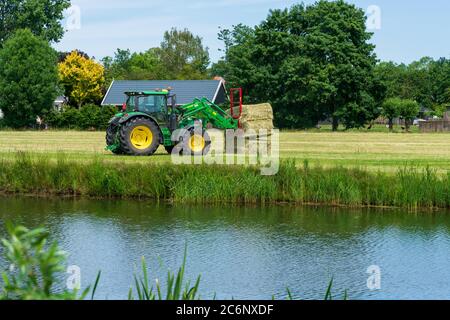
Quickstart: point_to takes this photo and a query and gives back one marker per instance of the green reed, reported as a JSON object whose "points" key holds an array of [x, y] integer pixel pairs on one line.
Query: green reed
{"points": [[295, 183]]}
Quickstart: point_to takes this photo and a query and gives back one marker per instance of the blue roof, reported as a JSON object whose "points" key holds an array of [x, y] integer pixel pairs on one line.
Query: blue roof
{"points": [[186, 90]]}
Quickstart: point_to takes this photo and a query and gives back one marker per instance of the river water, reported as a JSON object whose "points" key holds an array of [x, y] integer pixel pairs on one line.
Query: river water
{"points": [[248, 253]]}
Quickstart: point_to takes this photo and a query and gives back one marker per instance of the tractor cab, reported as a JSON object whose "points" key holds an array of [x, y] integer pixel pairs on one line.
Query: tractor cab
{"points": [[150, 102], [159, 104]]}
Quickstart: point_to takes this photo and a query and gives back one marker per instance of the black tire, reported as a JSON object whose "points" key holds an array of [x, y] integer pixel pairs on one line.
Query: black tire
{"points": [[111, 136], [169, 149], [126, 133], [187, 146]]}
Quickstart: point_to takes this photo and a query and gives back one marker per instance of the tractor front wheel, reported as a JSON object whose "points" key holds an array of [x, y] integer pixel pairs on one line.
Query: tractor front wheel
{"points": [[196, 143], [139, 137]]}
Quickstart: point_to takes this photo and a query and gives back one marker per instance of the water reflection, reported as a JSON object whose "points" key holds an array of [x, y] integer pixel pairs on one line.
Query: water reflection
{"points": [[249, 253]]}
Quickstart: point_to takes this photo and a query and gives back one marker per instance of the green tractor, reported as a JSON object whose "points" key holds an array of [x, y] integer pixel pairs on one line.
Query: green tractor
{"points": [[149, 119]]}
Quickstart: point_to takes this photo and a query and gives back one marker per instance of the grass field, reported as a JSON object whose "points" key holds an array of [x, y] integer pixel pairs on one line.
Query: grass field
{"points": [[372, 151]]}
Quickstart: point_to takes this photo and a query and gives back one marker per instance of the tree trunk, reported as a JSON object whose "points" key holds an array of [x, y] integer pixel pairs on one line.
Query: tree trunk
{"points": [[391, 125], [335, 123], [407, 125]]}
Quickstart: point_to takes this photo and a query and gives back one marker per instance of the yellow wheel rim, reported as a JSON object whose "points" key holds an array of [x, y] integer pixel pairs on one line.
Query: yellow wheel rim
{"points": [[197, 143], [141, 137]]}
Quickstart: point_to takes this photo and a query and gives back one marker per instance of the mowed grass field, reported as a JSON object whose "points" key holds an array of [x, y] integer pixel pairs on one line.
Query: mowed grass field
{"points": [[373, 151]]}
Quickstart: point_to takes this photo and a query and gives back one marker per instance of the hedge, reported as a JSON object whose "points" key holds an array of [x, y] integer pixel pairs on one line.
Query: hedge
{"points": [[88, 117]]}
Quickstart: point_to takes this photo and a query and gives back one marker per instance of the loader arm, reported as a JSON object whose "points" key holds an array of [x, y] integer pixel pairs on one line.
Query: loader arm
{"points": [[208, 112]]}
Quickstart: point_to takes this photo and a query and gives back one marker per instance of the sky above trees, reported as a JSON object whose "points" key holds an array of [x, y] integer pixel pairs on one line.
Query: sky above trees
{"points": [[409, 29]]}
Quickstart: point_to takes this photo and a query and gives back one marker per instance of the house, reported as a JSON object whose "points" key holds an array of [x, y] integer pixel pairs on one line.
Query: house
{"points": [[424, 113], [185, 90], [60, 102]]}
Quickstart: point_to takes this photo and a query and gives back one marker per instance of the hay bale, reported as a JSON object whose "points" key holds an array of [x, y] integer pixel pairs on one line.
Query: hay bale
{"points": [[249, 138], [258, 125], [255, 112]]}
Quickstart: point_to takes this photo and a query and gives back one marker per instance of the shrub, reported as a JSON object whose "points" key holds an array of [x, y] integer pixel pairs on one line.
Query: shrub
{"points": [[88, 117]]}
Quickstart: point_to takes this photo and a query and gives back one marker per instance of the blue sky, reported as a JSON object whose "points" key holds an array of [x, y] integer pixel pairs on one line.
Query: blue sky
{"points": [[409, 29]]}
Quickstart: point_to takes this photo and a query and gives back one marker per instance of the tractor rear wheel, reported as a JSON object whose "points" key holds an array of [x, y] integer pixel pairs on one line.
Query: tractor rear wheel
{"points": [[111, 137], [139, 137]]}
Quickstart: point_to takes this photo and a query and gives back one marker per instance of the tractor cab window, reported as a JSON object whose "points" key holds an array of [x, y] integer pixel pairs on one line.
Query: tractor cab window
{"points": [[151, 104], [130, 104]]}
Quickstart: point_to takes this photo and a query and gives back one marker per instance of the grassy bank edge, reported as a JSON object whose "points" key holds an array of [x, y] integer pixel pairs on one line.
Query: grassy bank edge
{"points": [[240, 185]]}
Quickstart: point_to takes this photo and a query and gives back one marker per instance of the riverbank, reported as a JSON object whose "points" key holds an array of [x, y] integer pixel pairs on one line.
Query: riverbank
{"points": [[295, 183]]}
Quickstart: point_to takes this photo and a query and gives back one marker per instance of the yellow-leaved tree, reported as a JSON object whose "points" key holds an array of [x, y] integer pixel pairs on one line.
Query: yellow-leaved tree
{"points": [[82, 79]]}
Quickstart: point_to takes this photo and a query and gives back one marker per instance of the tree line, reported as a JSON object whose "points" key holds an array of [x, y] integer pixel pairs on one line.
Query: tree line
{"points": [[311, 62], [33, 74], [316, 62]]}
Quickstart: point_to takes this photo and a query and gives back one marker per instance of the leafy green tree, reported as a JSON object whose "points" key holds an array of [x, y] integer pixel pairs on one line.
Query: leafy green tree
{"points": [[136, 66], [409, 109], [425, 81], [391, 110], [440, 82], [145, 65], [311, 62], [42, 17], [183, 55], [238, 43], [117, 67], [392, 75], [28, 79]]}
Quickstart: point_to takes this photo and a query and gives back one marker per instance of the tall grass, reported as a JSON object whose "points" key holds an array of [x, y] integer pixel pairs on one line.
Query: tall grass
{"points": [[176, 288], [299, 184]]}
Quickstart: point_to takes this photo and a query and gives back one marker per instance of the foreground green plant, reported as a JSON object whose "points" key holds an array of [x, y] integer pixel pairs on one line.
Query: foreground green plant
{"points": [[34, 267], [176, 289], [328, 295]]}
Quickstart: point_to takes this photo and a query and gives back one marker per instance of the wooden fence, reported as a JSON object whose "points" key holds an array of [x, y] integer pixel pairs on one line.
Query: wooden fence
{"points": [[435, 126]]}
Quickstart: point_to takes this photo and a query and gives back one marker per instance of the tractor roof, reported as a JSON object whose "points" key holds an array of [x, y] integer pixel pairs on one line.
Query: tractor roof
{"points": [[148, 93]]}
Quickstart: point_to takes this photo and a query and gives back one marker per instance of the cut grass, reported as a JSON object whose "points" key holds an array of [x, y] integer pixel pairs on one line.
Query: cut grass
{"points": [[373, 151]]}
